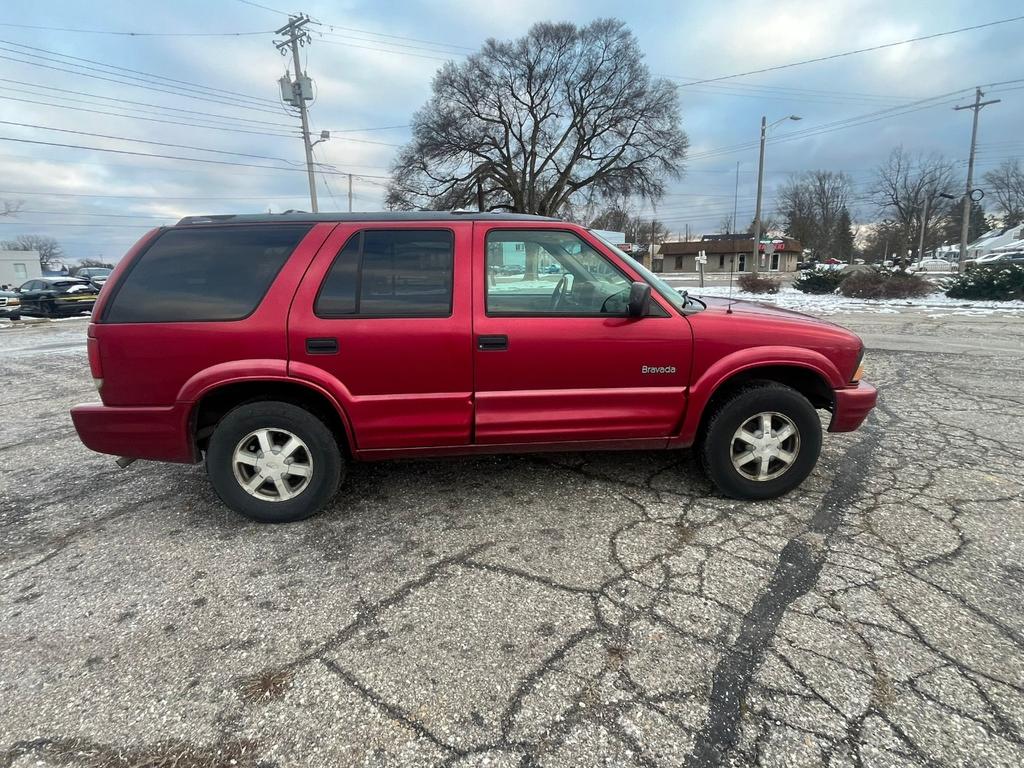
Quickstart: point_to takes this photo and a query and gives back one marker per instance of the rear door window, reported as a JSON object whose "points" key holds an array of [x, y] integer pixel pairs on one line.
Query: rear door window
{"points": [[204, 274], [391, 273]]}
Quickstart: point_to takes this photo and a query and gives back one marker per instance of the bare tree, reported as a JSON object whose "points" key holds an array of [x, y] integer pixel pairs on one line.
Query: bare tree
{"points": [[535, 124], [811, 205], [49, 249], [901, 188], [725, 225], [10, 207], [1006, 183]]}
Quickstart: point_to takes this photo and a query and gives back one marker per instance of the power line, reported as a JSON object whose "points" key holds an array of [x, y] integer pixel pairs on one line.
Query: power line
{"points": [[386, 50], [161, 107], [264, 7], [388, 42], [141, 141], [398, 37], [42, 193], [203, 96], [835, 125], [147, 119], [72, 214], [140, 72], [134, 34], [172, 157], [854, 52]]}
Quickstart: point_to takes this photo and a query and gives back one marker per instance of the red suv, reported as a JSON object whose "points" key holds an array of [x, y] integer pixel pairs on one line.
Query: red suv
{"points": [[280, 346]]}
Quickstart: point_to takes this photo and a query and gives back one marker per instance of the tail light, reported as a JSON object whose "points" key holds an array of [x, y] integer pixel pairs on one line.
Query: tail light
{"points": [[95, 366]]}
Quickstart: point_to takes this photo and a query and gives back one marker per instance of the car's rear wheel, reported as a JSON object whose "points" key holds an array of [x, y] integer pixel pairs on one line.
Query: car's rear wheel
{"points": [[274, 462], [761, 442]]}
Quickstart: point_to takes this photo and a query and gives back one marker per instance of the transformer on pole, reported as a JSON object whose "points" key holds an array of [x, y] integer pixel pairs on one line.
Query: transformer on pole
{"points": [[300, 90]]}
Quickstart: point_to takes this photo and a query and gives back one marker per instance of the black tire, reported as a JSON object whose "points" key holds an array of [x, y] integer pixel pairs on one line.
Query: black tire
{"points": [[15, 318], [717, 447], [324, 457]]}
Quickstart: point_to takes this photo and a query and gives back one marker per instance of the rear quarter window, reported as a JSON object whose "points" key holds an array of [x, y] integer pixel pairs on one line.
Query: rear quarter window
{"points": [[203, 274]]}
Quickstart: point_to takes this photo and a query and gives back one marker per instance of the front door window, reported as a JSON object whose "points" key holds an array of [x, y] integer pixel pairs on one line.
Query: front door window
{"points": [[548, 272]]}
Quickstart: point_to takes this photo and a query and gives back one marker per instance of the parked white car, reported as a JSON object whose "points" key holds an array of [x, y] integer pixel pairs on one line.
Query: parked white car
{"points": [[988, 258], [931, 265]]}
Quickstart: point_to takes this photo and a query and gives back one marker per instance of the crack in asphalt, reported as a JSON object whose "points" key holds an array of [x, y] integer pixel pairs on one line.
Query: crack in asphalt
{"points": [[796, 573]]}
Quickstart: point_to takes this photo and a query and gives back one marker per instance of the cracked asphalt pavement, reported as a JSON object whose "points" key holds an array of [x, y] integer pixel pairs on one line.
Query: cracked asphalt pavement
{"points": [[549, 610]]}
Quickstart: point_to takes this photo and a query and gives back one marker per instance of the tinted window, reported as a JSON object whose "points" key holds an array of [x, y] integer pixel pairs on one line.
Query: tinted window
{"points": [[215, 273], [391, 273]]}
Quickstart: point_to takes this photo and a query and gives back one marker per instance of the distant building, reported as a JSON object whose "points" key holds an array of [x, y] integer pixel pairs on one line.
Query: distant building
{"points": [[18, 266], [728, 253], [993, 240]]}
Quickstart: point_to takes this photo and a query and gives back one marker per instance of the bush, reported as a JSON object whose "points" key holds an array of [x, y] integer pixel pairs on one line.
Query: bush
{"points": [[820, 280], [884, 284], [989, 281], [752, 283]]}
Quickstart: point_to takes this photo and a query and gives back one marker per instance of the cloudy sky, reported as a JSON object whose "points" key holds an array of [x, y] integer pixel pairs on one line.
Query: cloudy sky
{"points": [[216, 98]]}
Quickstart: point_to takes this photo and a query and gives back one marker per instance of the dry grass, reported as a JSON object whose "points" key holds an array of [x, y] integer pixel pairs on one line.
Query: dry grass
{"points": [[267, 685]]}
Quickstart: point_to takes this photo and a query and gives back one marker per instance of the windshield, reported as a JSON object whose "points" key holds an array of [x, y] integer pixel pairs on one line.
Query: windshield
{"points": [[681, 301]]}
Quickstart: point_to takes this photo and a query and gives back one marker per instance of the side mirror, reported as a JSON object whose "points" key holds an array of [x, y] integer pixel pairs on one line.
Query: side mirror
{"points": [[639, 299]]}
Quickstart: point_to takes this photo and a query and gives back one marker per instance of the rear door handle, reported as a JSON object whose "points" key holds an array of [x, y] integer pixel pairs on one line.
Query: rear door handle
{"points": [[322, 346], [491, 343]]}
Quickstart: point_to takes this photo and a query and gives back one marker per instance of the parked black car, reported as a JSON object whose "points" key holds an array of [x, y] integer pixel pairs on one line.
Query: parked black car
{"points": [[10, 305], [57, 296]]}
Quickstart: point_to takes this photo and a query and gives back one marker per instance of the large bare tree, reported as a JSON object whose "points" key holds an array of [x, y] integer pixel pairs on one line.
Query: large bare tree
{"points": [[903, 185], [812, 205], [1006, 184], [48, 247], [538, 124]]}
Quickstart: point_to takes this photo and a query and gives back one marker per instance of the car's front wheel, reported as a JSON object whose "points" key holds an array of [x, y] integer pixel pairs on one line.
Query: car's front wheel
{"points": [[761, 442], [274, 462]]}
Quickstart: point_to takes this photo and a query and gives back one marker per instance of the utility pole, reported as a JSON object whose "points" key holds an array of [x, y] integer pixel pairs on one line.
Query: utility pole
{"points": [[301, 90], [757, 208], [924, 223], [966, 220], [350, 193], [760, 185], [736, 196]]}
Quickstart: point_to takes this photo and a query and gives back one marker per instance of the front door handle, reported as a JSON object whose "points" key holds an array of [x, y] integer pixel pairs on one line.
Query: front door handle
{"points": [[492, 343], [322, 346]]}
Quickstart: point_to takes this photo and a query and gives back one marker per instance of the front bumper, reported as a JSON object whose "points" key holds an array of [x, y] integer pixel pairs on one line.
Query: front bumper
{"points": [[852, 406], [159, 434]]}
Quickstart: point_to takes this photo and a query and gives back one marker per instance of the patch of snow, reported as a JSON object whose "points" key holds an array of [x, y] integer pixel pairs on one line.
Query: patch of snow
{"points": [[832, 304]]}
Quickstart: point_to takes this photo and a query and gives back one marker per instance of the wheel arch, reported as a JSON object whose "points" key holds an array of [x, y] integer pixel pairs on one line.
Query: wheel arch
{"points": [[809, 373], [217, 400]]}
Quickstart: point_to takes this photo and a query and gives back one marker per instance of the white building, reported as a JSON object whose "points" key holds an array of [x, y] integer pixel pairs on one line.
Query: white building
{"points": [[1016, 245], [18, 266], [994, 240]]}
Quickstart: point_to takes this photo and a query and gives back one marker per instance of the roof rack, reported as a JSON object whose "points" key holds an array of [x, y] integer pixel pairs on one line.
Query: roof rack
{"points": [[300, 216]]}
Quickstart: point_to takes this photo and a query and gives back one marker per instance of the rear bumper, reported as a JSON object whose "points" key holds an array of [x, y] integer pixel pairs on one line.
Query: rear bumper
{"points": [[160, 434], [852, 406]]}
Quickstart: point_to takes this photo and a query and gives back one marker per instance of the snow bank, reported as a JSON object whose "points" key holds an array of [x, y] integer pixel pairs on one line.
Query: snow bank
{"points": [[937, 304]]}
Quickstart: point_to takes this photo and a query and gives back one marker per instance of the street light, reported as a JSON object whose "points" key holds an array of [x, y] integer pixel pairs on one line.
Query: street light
{"points": [[760, 185]]}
